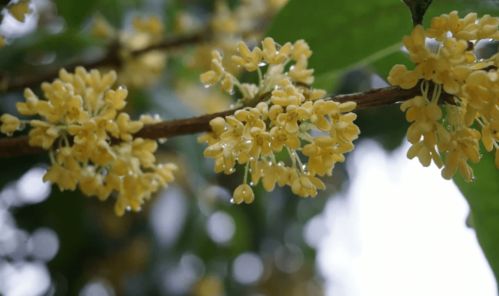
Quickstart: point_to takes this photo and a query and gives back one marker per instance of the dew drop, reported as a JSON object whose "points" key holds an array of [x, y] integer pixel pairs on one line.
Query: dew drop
{"points": [[232, 201], [262, 64], [206, 86], [162, 140], [128, 209], [280, 163], [304, 167], [251, 183]]}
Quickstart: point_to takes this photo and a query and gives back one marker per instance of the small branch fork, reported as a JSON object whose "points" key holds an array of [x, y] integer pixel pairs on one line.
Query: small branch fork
{"points": [[18, 146]]}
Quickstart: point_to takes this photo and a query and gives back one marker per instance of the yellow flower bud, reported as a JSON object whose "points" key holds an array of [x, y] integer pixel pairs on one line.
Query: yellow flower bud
{"points": [[243, 193], [9, 124]]}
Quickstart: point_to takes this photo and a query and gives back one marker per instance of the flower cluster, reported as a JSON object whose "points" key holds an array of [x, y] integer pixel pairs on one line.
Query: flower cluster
{"points": [[292, 136], [91, 140], [459, 102], [228, 26], [136, 70]]}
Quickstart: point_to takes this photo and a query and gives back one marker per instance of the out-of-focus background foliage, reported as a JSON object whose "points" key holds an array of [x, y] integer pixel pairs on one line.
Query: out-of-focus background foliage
{"points": [[189, 240]]}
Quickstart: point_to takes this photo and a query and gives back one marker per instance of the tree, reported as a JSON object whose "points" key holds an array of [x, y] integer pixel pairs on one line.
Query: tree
{"points": [[282, 131]]}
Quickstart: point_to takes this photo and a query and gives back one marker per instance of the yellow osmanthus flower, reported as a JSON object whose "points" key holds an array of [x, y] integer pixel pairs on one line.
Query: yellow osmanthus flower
{"points": [[136, 70], [9, 124], [454, 82], [90, 139], [145, 69], [228, 26], [290, 120], [102, 29]]}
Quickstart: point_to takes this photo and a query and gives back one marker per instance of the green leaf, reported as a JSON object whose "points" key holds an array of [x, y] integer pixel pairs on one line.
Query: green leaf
{"points": [[345, 34], [483, 197], [342, 33]]}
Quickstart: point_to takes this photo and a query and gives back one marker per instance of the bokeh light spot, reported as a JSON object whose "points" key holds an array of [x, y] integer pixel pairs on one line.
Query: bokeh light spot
{"points": [[220, 227], [247, 268]]}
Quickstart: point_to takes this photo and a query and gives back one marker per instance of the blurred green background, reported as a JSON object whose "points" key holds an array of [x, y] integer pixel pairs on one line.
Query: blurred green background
{"points": [[189, 240]]}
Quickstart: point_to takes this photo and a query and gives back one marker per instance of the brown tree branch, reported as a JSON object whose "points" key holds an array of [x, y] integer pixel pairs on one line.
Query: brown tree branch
{"points": [[110, 59], [11, 147]]}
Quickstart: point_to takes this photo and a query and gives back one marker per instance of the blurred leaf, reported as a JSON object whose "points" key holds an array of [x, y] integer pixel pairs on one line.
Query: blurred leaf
{"points": [[75, 12], [21, 53], [483, 197], [113, 10]]}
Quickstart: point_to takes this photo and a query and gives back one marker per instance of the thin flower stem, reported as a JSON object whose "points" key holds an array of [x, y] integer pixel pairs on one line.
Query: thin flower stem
{"points": [[246, 168], [291, 156]]}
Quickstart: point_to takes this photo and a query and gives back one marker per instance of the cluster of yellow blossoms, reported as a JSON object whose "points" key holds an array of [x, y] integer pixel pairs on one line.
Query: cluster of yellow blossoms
{"points": [[19, 10], [228, 26], [459, 102], [136, 70], [90, 140], [292, 136]]}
